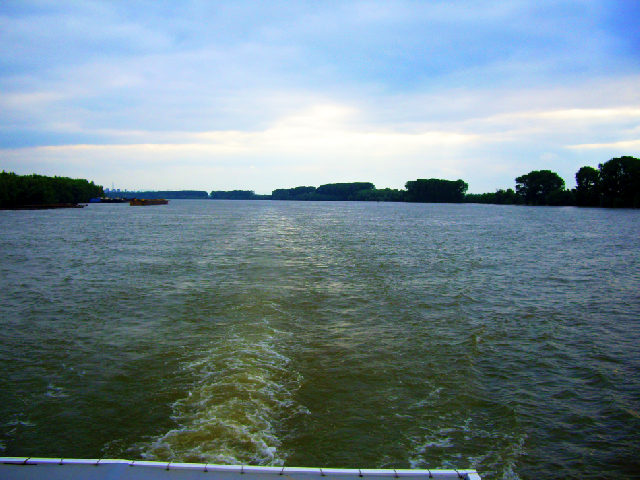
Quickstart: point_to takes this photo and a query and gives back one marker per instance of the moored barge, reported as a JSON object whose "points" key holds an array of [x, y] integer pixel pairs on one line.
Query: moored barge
{"points": [[149, 201]]}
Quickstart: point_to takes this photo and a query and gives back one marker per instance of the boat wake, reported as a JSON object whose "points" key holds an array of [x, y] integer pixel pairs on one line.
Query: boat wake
{"points": [[445, 436], [231, 416]]}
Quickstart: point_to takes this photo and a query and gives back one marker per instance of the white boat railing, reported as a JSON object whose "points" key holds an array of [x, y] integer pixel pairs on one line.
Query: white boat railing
{"points": [[23, 468]]}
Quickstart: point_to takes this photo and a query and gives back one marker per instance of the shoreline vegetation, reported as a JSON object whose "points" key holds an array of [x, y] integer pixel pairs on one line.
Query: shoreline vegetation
{"points": [[614, 184], [39, 190]]}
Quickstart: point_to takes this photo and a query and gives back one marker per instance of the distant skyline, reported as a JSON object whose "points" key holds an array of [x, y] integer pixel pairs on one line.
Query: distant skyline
{"points": [[257, 95]]}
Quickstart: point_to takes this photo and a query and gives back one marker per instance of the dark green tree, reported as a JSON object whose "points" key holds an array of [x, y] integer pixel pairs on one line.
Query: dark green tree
{"points": [[561, 198], [535, 187], [328, 192], [40, 190], [232, 195], [297, 193], [620, 182], [506, 197], [434, 190], [500, 197], [344, 191], [587, 187], [381, 195]]}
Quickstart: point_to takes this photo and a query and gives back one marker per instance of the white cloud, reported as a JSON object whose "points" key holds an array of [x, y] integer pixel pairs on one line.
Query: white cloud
{"points": [[313, 93], [628, 144]]}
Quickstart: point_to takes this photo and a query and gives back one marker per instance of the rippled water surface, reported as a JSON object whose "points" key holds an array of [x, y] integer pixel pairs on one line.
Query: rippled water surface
{"points": [[351, 335]]}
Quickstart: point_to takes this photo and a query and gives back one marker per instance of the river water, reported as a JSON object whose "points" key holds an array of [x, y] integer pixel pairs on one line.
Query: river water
{"points": [[354, 335]]}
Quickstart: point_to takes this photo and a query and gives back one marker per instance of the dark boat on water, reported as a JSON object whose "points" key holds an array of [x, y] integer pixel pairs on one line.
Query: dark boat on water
{"points": [[108, 200], [144, 202]]}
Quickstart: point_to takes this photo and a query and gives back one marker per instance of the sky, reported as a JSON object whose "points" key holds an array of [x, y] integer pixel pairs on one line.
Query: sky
{"points": [[259, 95]]}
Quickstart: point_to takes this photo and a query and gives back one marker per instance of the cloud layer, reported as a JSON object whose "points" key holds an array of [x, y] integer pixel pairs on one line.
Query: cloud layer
{"points": [[264, 95]]}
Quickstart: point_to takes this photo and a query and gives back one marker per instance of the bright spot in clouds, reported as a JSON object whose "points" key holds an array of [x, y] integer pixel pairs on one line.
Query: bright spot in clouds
{"points": [[246, 95]]}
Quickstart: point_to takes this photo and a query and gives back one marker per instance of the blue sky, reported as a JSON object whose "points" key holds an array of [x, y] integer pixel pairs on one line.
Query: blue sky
{"points": [[262, 95]]}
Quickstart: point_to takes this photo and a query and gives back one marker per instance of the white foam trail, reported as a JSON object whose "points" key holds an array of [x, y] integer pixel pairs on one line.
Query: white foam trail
{"points": [[231, 415], [442, 444]]}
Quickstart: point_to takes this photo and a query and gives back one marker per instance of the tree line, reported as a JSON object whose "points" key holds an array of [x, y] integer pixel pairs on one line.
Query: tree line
{"points": [[237, 195], [34, 189], [152, 194], [614, 184], [421, 190], [329, 192]]}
